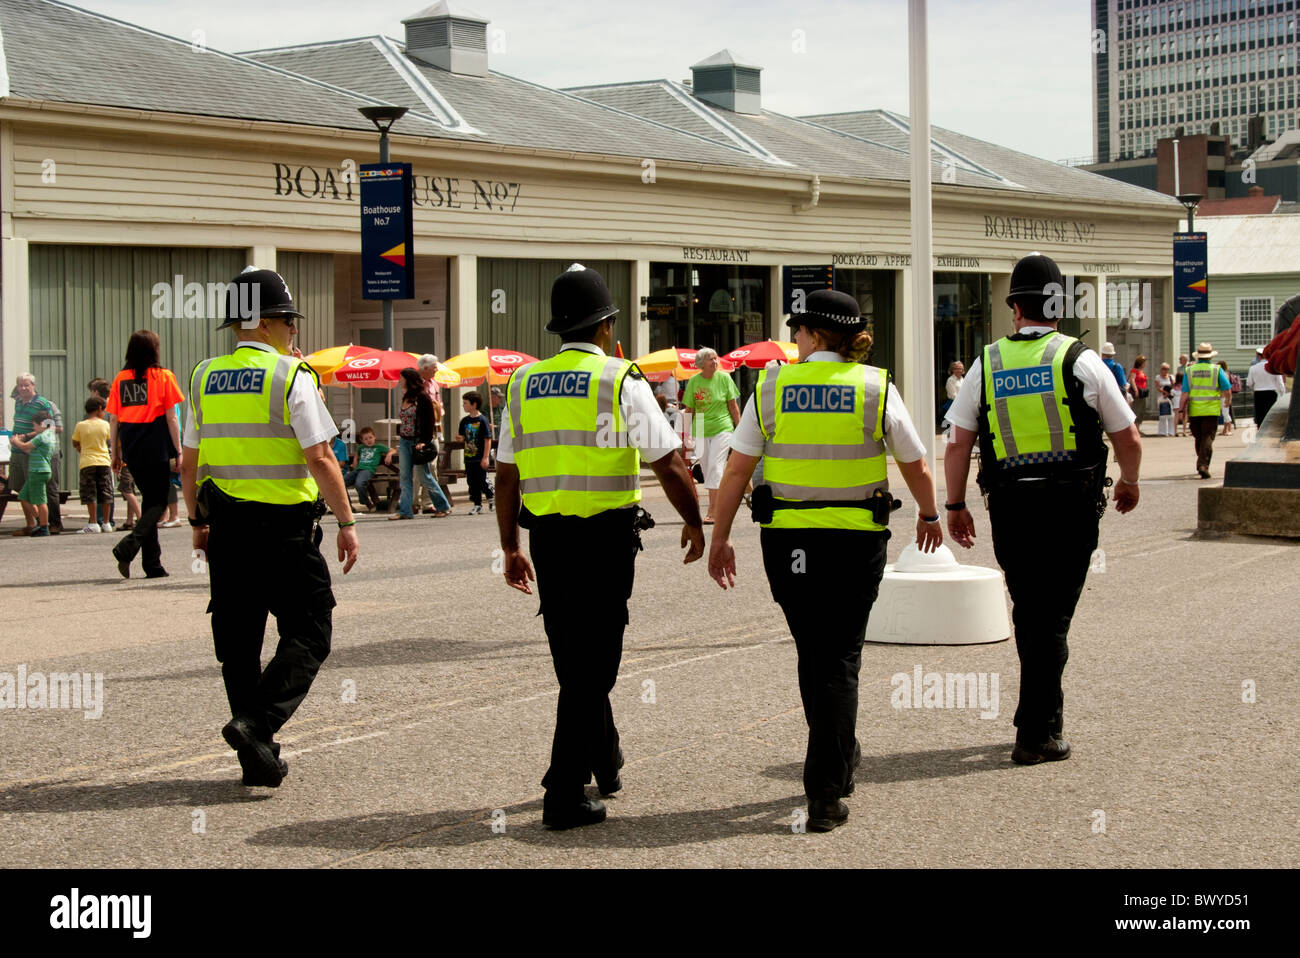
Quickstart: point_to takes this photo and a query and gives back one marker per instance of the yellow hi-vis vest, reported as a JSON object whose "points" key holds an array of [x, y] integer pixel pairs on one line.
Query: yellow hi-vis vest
{"points": [[246, 446], [570, 441], [1025, 389], [1205, 397], [824, 426]]}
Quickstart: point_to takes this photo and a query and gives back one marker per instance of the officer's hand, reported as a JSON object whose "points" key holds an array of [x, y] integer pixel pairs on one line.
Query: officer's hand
{"points": [[199, 538], [348, 547], [961, 526], [1126, 497], [694, 537], [929, 535], [722, 563], [518, 571]]}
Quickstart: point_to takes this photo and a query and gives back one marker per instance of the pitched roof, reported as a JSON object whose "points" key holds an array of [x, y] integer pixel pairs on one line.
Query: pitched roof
{"points": [[500, 108], [57, 52], [1238, 206], [1240, 245]]}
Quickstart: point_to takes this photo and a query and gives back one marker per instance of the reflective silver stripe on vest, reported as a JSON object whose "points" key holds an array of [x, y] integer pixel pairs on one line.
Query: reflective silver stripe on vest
{"points": [[271, 472], [581, 484], [767, 405], [999, 406], [196, 393], [785, 491], [870, 406], [558, 437], [816, 450], [248, 430], [516, 407], [607, 389], [279, 382], [1050, 409]]}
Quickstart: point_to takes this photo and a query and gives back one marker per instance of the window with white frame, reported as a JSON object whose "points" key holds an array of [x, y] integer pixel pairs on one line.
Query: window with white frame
{"points": [[1254, 321]]}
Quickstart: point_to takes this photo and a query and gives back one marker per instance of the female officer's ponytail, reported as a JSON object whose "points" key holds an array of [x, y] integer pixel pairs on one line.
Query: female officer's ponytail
{"points": [[855, 347]]}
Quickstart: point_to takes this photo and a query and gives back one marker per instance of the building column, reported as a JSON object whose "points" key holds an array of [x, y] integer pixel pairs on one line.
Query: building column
{"points": [[15, 322], [462, 303], [640, 344], [776, 327], [904, 356], [263, 257], [1002, 322], [1173, 337], [1094, 331]]}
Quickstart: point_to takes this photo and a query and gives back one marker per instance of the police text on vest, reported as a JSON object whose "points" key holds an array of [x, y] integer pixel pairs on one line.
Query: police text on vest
{"points": [[819, 397], [1023, 382], [234, 381], [558, 384]]}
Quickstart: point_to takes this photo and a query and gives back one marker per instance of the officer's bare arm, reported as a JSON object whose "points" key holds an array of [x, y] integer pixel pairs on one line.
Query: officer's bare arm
{"points": [[1127, 444], [736, 476], [956, 463], [189, 470], [324, 468], [508, 505], [678, 487]]}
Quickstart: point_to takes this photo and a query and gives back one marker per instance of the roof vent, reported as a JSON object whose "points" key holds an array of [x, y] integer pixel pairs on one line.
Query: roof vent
{"points": [[450, 38], [726, 82]]}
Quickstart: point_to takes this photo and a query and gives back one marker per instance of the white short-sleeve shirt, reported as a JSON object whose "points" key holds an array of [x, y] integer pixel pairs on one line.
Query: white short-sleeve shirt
{"points": [[901, 437], [1100, 391], [654, 440], [308, 416]]}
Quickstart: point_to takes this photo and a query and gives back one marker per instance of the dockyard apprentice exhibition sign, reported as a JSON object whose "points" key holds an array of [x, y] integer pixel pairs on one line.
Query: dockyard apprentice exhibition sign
{"points": [[387, 231]]}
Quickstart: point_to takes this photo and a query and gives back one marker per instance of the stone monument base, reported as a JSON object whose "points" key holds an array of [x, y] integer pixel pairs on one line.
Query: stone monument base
{"points": [[1260, 495]]}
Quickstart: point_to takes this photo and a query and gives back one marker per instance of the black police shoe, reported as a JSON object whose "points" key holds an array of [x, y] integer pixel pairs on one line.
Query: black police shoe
{"points": [[589, 811], [253, 773], [824, 816], [255, 754], [608, 786], [1055, 749]]}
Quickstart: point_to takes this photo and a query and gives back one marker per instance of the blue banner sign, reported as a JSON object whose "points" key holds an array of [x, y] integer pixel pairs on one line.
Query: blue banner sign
{"points": [[387, 231], [1191, 293]]}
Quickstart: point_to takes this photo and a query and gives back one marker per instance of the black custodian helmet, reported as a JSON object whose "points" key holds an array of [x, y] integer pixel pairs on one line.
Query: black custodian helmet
{"points": [[255, 293], [579, 298], [1031, 276]]}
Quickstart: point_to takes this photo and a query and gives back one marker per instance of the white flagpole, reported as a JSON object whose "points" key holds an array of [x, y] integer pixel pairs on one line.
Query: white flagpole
{"points": [[922, 238]]}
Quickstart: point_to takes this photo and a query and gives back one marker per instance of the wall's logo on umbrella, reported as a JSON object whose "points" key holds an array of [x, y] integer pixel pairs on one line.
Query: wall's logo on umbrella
{"points": [[507, 358], [739, 353], [362, 363]]}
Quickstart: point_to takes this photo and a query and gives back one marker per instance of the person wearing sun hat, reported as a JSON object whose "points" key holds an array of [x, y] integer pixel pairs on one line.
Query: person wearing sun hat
{"points": [[1204, 387]]}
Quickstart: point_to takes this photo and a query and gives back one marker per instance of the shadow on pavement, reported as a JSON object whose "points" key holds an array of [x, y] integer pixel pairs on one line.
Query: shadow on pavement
{"points": [[523, 823], [158, 793], [912, 766], [418, 650]]}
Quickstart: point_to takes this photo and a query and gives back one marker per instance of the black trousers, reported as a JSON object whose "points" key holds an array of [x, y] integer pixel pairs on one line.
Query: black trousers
{"points": [[260, 564], [476, 477], [1264, 399], [585, 569], [826, 581], [152, 479], [1043, 536], [52, 492]]}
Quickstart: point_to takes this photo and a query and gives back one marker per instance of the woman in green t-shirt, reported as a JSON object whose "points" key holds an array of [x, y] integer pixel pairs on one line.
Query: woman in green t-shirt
{"points": [[711, 397]]}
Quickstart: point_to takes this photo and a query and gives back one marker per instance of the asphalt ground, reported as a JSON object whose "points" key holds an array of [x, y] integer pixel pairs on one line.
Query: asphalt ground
{"points": [[437, 762]]}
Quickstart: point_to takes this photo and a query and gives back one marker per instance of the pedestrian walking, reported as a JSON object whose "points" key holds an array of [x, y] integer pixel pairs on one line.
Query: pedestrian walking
{"points": [[1265, 386], [568, 469], [142, 402], [475, 429], [822, 426], [1038, 402], [1165, 401], [1205, 386], [427, 366], [1180, 416], [1139, 387], [711, 398], [257, 458], [90, 439], [417, 446]]}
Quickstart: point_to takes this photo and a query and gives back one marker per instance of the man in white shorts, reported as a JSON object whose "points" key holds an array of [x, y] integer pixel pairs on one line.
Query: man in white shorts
{"points": [[711, 397]]}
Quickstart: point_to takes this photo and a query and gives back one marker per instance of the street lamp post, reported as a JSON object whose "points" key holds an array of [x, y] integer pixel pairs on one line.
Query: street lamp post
{"points": [[1189, 200], [383, 117]]}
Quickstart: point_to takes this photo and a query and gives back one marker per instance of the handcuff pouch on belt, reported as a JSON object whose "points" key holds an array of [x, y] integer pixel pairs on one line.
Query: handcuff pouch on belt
{"points": [[763, 504], [216, 507]]}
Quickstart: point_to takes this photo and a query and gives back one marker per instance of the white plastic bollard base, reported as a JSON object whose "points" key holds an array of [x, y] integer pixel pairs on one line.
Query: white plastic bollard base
{"points": [[931, 599]]}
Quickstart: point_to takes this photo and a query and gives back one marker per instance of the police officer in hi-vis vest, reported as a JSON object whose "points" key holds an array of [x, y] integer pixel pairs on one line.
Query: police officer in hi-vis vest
{"points": [[1205, 388], [1038, 402], [577, 426], [256, 460], [822, 427]]}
